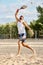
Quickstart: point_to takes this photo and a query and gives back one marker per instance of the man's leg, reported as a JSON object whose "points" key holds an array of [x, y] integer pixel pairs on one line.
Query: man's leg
{"points": [[34, 52], [18, 47], [25, 45]]}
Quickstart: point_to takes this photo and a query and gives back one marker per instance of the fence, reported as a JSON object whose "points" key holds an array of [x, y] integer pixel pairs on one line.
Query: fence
{"points": [[41, 34], [4, 36]]}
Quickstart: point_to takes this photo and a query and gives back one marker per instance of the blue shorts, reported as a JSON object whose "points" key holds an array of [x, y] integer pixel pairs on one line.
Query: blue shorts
{"points": [[22, 37]]}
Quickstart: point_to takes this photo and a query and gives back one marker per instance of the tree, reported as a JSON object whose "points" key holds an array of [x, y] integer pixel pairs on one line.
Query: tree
{"points": [[14, 31], [40, 19], [38, 24]]}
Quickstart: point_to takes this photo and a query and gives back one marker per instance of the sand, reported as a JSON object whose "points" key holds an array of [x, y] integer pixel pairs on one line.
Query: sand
{"points": [[23, 59], [8, 51]]}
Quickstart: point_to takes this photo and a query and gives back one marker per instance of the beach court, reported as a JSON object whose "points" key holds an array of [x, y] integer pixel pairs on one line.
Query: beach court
{"points": [[8, 51]]}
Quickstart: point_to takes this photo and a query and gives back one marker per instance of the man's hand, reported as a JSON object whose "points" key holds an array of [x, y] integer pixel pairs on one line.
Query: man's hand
{"points": [[17, 10], [31, 33]]}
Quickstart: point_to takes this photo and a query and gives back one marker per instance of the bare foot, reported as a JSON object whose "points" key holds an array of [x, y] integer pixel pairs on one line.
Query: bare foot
{"points": [[34, 55], [18, 55]]}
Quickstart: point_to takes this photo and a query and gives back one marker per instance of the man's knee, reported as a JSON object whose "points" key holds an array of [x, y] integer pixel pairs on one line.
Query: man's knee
{"points": [[22, 44]]}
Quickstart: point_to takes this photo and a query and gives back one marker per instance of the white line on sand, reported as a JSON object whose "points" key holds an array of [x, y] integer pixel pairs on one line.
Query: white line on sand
{"points": [[17, 45]]}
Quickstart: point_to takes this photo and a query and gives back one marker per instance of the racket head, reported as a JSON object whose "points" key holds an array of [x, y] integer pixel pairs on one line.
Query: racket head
{"points": [[23, 7]]}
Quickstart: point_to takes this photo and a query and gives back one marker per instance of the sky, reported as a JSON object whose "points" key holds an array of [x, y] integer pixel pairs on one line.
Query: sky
{"points": [[9, 7]]}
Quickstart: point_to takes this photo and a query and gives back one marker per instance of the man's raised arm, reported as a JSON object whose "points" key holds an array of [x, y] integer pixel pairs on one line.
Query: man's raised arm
{"points": [[16, 15]]}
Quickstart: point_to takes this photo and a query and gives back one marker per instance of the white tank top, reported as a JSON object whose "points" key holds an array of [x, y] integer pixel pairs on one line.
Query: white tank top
{"points": [[21, 27]]}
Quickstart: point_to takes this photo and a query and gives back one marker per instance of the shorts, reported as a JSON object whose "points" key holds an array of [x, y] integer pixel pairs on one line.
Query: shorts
{"points": [[22, 37]]}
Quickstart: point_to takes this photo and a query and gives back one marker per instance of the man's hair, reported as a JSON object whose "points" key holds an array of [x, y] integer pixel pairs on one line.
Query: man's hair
{"points": [[21, 16]]}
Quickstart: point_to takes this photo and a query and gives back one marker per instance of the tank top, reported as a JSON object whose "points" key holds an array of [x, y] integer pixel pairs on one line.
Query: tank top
{"points": [[21, 27]]}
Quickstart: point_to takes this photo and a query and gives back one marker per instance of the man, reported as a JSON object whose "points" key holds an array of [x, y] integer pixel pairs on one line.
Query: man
{"points": [[21, 24]]}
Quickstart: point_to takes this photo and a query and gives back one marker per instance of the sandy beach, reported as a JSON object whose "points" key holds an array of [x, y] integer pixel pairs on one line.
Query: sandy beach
{"points": [[20, 60], [8, 51]]}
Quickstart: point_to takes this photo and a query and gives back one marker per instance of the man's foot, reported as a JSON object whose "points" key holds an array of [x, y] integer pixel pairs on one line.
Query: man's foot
{"points": [[18, 55], [34, 55]]}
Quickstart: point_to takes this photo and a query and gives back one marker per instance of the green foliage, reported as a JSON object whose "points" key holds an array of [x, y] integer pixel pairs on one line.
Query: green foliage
{"points": [[9, 30], [6, 29], [32, 25], [14, 31], [38, 24], [40, 10], [1, 29]]}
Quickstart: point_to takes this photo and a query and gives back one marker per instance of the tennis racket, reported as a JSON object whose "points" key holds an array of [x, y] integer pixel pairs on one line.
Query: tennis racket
{"points": [[23, 7]]}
